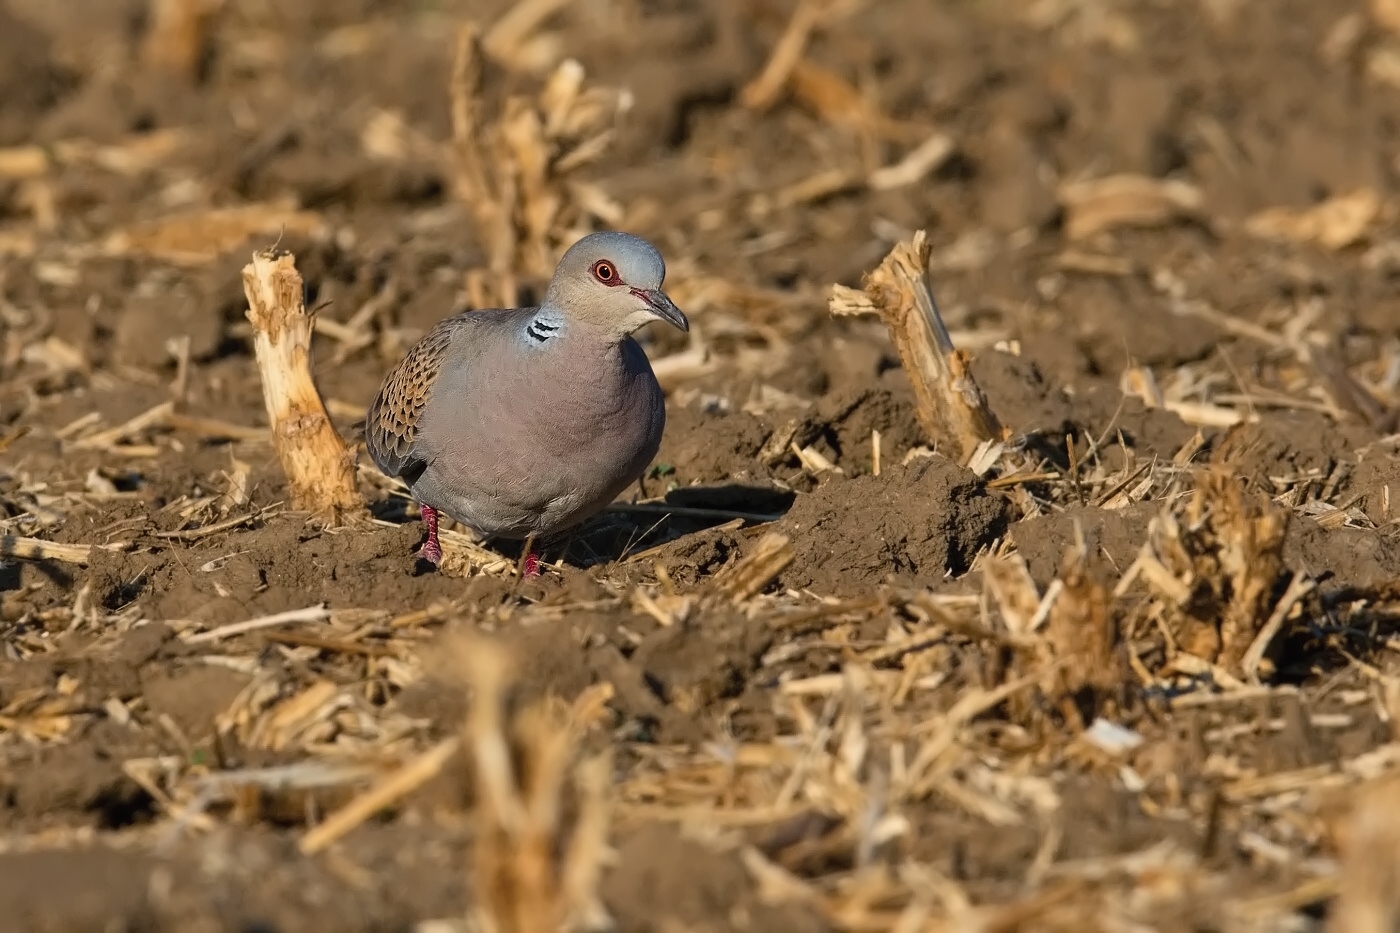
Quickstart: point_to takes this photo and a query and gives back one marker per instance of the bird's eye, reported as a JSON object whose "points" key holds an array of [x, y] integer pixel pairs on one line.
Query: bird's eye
{"points": [[604, 272]]}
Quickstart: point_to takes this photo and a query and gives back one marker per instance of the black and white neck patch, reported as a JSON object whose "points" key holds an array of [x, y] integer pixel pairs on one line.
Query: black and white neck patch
{"points": [[540, 329]]}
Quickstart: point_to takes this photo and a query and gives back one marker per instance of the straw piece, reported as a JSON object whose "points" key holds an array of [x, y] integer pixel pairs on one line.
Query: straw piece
{"points": [[749, 576], [1298, 587], [179, 35], [159, 415], [531, 871], [504, 41], [1334, 224], [19, 548], [1126, 201], [309, 614], [23, 162], [513, 172], [1369, 897], [194, 534], [302, 774], [216, 429], [200, 237], [919, 162], [12, 436], [392, 788], [1009, 583], [763, 91]]}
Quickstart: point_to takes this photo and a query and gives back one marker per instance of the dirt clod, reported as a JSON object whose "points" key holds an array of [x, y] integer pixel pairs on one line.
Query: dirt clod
{"points": [[912, 524]]}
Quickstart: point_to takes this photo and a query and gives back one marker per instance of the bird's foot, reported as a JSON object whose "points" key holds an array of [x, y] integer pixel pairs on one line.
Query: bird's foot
{"points": [[431, 551], [529, 564]]}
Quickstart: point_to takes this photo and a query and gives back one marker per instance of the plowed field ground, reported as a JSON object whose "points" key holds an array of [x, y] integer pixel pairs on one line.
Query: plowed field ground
{"points": [[1134, 668]]}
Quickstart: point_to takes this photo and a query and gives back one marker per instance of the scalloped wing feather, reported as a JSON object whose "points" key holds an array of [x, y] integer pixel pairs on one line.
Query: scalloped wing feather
{"points": [[391, 423]]}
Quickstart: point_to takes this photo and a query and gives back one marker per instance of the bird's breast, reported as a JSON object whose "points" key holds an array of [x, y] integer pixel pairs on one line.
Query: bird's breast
{"points": [[609, 411]]}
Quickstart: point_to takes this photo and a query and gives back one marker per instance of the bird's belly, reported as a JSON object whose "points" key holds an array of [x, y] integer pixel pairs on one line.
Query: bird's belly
{"points": [[496, 516], [544, 496]]}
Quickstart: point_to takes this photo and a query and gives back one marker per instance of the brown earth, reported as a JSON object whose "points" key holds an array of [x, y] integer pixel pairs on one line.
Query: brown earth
{"points": [[765, 750]]}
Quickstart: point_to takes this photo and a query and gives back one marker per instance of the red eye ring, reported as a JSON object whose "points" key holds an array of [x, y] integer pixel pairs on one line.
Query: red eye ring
{"points": [[606, 273]]}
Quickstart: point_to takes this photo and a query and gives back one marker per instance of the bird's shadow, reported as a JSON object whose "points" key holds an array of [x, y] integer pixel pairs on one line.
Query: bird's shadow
{"points": [[625, 529], [12, 573]]}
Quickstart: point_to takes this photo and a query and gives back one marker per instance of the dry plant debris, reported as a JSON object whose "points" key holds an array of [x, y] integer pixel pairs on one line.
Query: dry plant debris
{"points": [[951, 406], [320, 467], [532, 873], [763, 91], [515, 40], [198, 237], [1102, 204], [1367, 901], [137, 153], [179, 32], [513, 168], [23, 548], [1335, 223]]}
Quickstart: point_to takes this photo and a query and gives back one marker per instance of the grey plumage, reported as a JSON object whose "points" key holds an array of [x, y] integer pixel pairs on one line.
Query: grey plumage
{"points": [[523, 423]]}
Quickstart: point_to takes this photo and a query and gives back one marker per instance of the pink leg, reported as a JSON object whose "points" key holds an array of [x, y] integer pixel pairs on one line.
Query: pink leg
{"points": [[532, 564], [431, 550]]}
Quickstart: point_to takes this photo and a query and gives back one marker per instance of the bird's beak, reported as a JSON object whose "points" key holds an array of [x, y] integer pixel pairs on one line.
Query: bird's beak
{"points": [[663, 307]]}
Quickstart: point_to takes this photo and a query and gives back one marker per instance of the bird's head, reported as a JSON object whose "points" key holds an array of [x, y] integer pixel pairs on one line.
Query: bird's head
{"points": [[613, 280]]}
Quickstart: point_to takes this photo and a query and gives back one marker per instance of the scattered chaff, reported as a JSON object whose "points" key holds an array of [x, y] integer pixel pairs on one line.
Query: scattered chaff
{"points": [[1368, 897], [463, 555], [320, 467], [1347, 394], [513, 170], [1336, 223], [1226, 547], [514, 40], [128, 156], [531, 872], [1102, 204], [762, 92], [951, 406], [194, 534], [389, 790], [831, 720], [178, 37], [152, 417], [291, 617], [1298, 587], [204, 236], [756, 570], [20, 548]]}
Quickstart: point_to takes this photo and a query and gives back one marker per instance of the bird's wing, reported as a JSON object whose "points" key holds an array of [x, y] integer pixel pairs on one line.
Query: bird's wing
{"points": [[391, 423]]}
